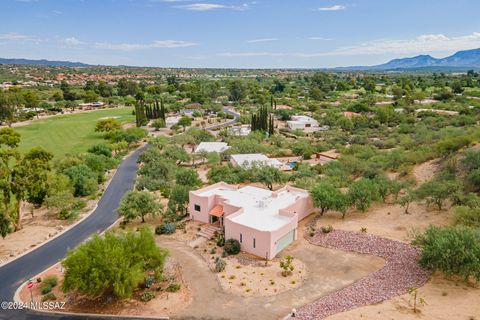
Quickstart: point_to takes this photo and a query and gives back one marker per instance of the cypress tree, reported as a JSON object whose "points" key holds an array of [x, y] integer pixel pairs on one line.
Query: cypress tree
{"points": [[162, 110]]}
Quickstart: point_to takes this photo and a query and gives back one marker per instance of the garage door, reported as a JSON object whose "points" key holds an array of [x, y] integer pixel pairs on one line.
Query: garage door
{"points": [[284, 241]]}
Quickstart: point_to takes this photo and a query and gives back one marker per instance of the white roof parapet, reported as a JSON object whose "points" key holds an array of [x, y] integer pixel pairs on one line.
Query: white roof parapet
{"points": [[249, 160], [212, 147], [261, 207]]}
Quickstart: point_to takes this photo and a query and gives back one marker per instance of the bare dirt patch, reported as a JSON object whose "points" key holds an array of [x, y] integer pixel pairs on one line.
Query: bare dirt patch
{"points": [[425, 171], [388, 220], [251, 277]]}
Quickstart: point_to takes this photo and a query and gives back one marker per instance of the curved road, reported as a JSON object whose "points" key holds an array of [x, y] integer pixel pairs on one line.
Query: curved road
{"points": [[13, 274]]}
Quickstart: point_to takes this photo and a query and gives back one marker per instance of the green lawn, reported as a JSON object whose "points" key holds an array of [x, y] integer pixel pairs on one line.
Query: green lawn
{"points": [[69, 133]]}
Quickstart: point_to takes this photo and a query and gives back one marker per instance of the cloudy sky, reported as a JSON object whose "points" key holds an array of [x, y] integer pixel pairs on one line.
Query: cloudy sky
{"points": [[237, 34]]}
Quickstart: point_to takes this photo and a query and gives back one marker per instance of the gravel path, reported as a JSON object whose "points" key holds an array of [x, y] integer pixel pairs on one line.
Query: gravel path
{"points": [[400, 273]]}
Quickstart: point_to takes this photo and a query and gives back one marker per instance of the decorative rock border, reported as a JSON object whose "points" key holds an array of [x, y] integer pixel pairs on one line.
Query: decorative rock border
{"points": [[400, 273]]}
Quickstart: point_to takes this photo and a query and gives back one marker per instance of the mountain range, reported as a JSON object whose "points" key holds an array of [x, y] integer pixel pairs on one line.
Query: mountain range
{"points": [[461, 60], [43, 62]]}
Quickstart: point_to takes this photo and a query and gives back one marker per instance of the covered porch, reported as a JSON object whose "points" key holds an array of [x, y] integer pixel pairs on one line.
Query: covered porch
{"points": [[216, 215]]}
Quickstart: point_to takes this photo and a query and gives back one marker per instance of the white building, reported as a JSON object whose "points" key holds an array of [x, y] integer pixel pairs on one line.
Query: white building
{"points": [[303, 123], [241, 131], [254, 159], [212, 147]]}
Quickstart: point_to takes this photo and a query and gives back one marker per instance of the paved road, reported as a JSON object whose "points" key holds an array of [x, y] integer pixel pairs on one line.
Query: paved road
{"points": [[18, 271]]}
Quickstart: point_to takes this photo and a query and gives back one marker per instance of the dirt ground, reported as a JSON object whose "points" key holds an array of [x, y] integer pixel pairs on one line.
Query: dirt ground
{"points": [[425, 171], [252, 278], [388, 220], [164, 304]]}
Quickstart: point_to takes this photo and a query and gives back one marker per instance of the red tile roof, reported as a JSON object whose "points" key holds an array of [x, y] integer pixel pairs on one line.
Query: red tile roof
{"points": [[217, 211]]}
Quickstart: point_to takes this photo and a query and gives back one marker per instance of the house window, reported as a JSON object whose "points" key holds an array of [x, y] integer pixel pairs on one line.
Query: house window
{"points": [[253, 242], [241, 238], [197, 207]]}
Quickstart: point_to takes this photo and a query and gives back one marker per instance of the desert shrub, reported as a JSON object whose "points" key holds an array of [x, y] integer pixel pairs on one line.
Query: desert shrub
{"points": [[454, 251], [220, 264], [149, 282], [287, 265], [49, 296], [326, 229], [166, 228], [101, 149], [362, 193], [232, 246], [94, 268], [46, 289], [466, 216], [51, 281], [147, 296], [174, 287], [220, 239]]}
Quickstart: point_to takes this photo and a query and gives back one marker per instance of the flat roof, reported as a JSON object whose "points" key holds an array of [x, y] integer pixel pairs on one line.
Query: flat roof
{"points": [[212, 147], [261, 209], [249, 159]]}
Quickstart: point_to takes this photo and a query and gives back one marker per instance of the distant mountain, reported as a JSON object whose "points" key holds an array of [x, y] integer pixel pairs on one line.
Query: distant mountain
{"points": [[43, 62], [468, 59]]}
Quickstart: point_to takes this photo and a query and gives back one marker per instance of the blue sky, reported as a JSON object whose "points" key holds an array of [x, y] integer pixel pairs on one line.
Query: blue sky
{"points": [[238, 34]]}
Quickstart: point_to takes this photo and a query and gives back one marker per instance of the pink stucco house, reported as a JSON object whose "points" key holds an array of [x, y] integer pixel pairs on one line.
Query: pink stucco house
{"points": [[263, 221]]}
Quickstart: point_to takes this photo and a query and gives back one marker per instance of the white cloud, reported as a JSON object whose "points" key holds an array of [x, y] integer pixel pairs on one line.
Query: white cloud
{"points": [[332, 8], [262, 40], [211, 6], [137, 46], [72, 41], [422, 44], [172, 44], [14, 37], [319, 38], [251, 54]]}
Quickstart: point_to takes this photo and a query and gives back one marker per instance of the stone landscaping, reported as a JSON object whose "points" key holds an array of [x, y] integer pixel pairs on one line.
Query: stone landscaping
{"points": [[400, 273]]}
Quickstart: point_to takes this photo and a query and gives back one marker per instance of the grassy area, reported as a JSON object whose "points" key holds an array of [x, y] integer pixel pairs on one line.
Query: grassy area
{"points": [[69, 133]]}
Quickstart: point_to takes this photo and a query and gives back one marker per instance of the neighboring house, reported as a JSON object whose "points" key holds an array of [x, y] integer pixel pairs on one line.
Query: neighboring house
{"points": [[241, 131], [326, 157], [303, 123], [212, 147], [289, 162], [249, 160], [263, 221]]}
